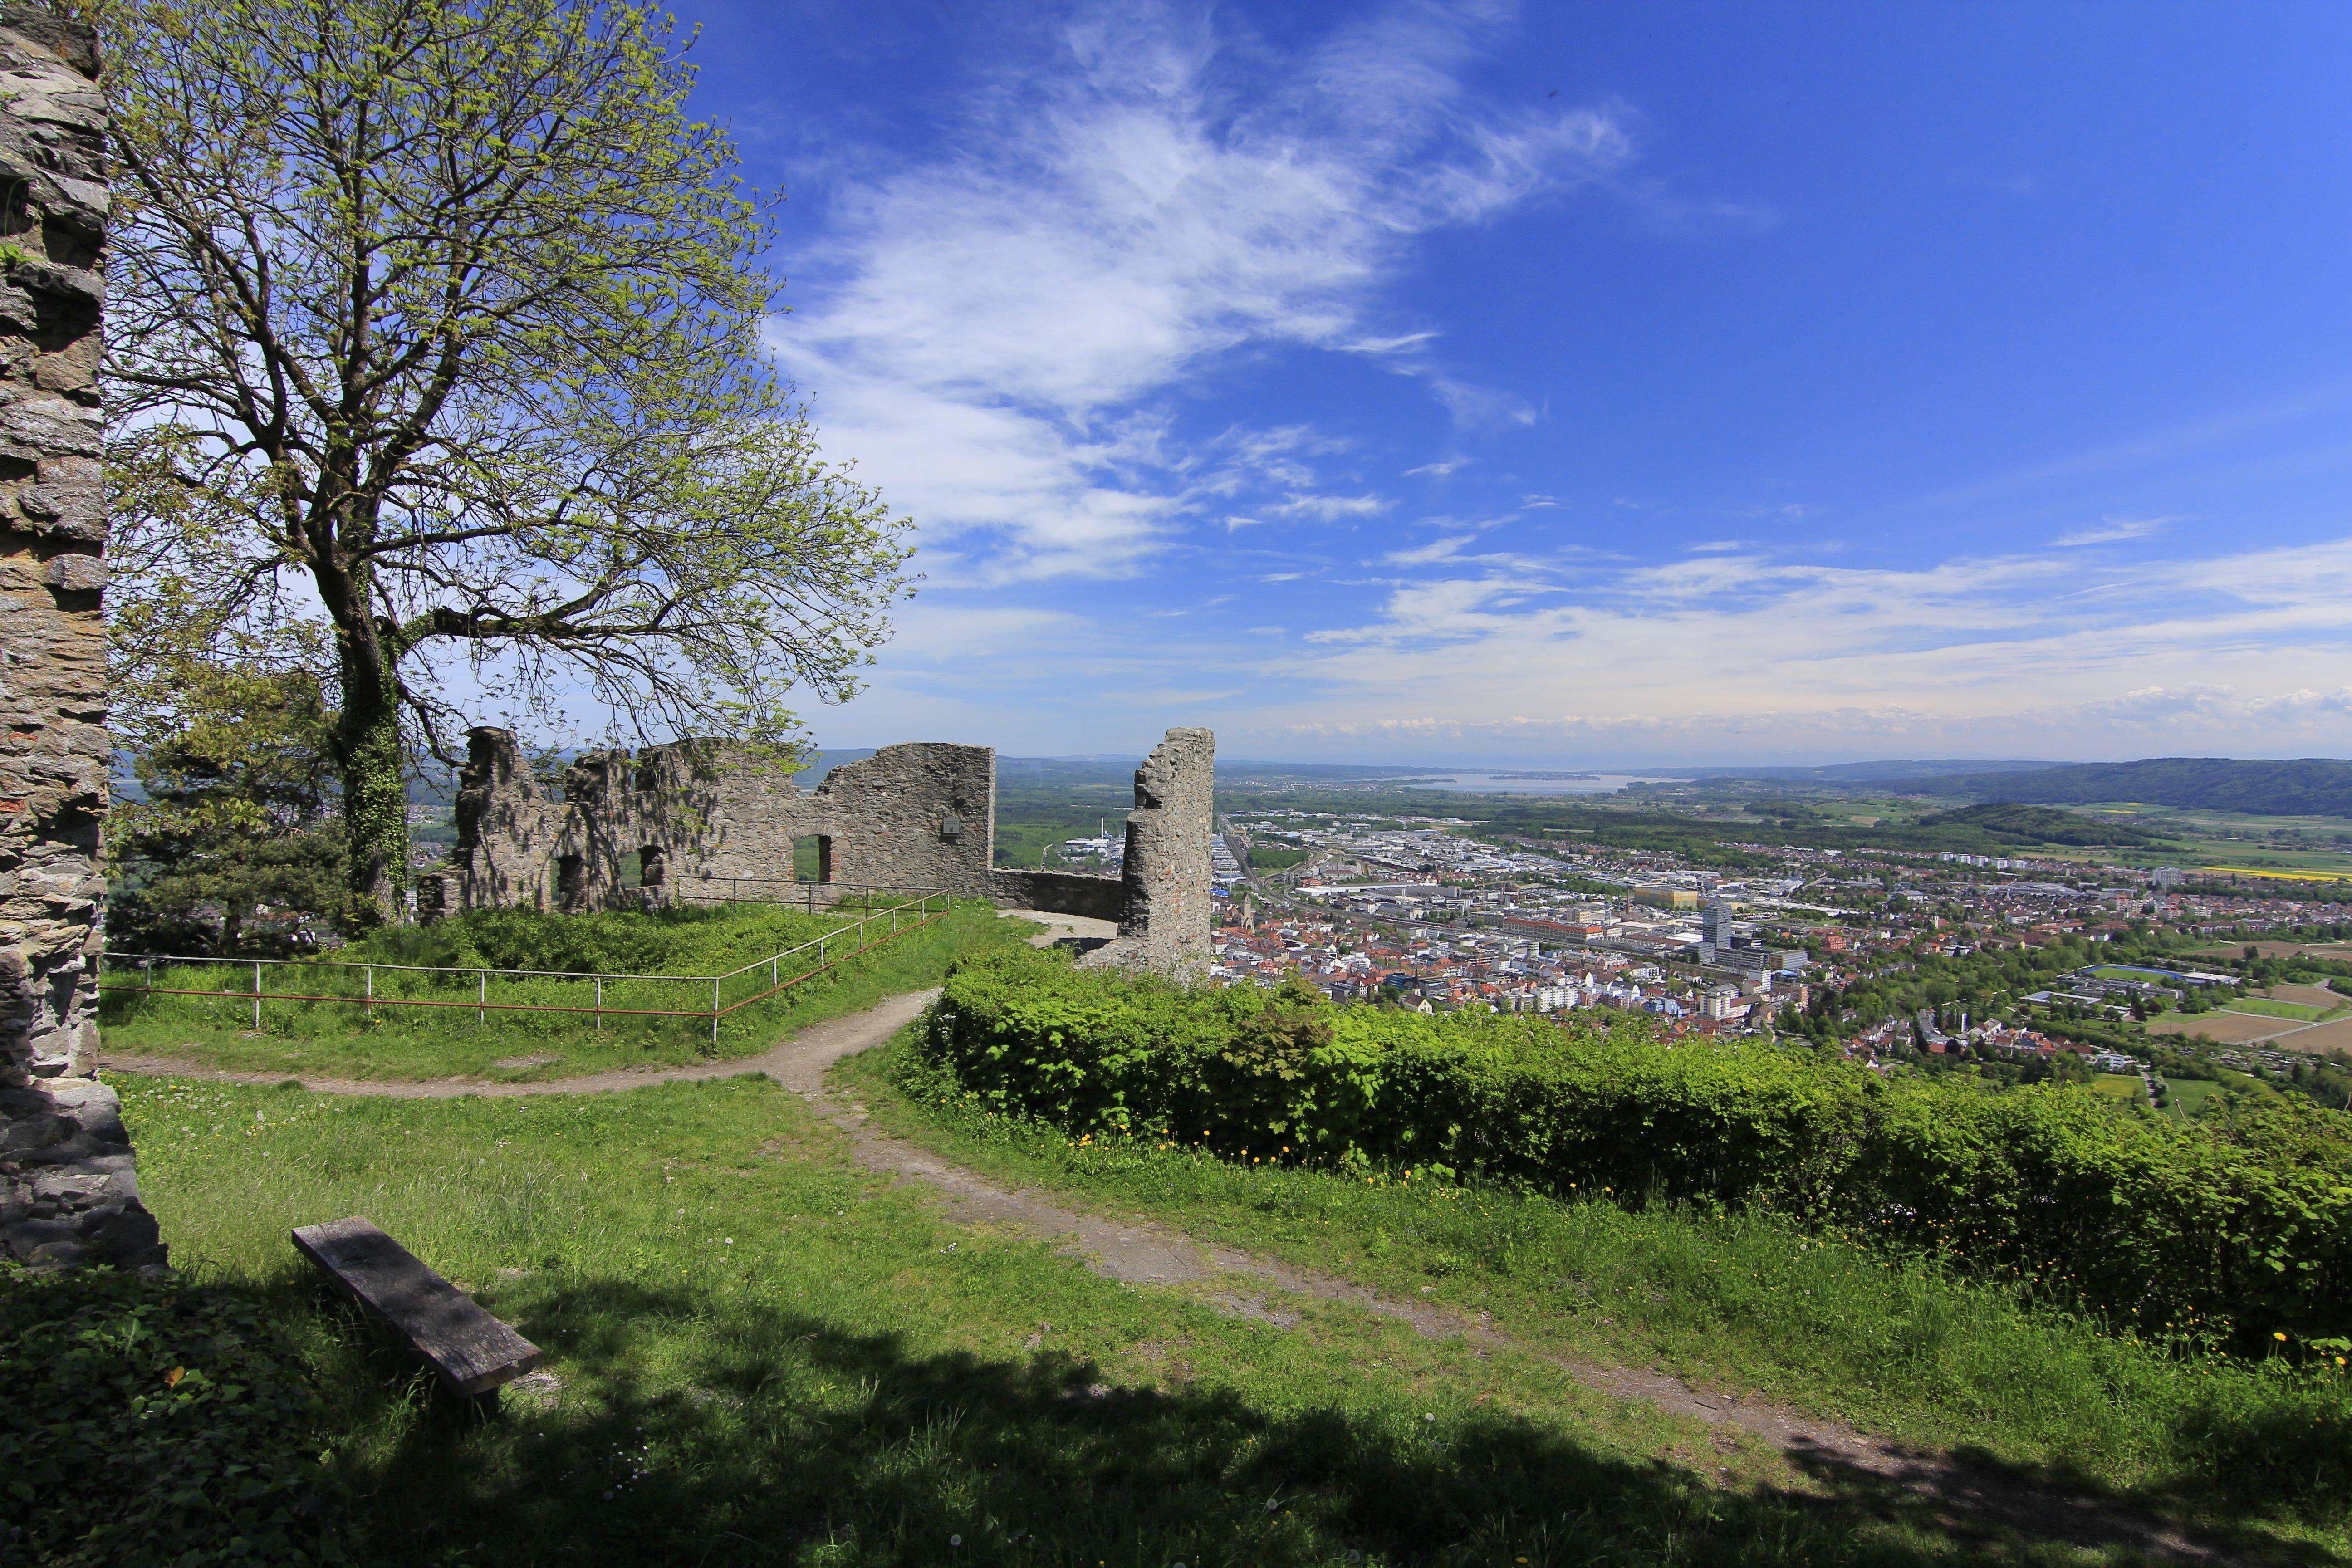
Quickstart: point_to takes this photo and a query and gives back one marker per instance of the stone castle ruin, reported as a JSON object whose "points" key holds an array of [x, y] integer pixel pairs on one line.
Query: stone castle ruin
{"points": [[704, 821], [68, 1190]]}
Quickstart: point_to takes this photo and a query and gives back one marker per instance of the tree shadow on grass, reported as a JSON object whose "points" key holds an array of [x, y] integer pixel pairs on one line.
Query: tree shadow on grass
{"points": [[785, 1439]]}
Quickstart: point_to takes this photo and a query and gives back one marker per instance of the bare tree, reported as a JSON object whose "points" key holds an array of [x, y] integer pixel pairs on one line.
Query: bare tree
{"points": [[442, 319]]}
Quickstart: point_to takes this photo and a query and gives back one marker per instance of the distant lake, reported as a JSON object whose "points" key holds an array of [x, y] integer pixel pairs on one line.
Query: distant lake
{"points": [[1520, 783]]}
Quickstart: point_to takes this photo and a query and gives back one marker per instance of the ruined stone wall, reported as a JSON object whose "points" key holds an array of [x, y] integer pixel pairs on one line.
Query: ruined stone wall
{"points": [[1087, 893], [68, 1190], [1168, 886], [702, 818], [915, 816]]}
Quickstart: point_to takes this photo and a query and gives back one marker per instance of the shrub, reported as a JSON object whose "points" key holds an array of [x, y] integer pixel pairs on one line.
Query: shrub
{"points": [[2243, 1223]]}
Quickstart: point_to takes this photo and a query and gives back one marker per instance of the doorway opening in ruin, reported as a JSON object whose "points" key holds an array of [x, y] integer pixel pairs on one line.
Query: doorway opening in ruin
{"points": [[653, 871], [571, 877], [813, 859]]}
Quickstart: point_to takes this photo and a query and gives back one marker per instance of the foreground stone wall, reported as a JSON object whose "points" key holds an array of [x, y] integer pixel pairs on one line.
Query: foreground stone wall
{"points": [[705, 819], [69, 1192]]}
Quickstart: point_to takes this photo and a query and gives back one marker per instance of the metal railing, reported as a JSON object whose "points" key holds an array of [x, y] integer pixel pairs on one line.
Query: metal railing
{"points": [[913, 912]]}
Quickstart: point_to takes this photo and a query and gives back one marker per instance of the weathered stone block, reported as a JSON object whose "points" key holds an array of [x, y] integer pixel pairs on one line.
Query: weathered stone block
{"points": [[68, 1191]]}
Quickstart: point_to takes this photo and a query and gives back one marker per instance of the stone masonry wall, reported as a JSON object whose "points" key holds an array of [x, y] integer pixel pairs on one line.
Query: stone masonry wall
{"points": [[1167, 879], [69, 1192], [703, 817], [1084, 893]]}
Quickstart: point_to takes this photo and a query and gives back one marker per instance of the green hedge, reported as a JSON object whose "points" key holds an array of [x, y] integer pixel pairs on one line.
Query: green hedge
{"points": [[2243, 1226]]}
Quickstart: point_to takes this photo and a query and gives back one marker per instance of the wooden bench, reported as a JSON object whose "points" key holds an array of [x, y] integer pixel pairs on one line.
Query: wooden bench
{"points": [[471, 1351]]}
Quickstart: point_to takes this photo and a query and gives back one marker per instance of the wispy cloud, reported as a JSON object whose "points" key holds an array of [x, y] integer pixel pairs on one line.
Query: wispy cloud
{"points": [[1329, 508], [1964, 642], [990, 331], [2114, 530]]}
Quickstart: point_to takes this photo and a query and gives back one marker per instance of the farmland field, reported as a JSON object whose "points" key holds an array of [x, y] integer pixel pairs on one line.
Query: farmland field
{"points": [[2221, 1029], [2335, 1036], [2339, 951], [2317, 996]]}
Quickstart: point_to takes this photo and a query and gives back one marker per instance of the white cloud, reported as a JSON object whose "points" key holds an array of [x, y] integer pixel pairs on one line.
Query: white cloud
{"points": [[1439, 470], [2114, 530], [1116, 225], [1329, 508], [1721, 649]]}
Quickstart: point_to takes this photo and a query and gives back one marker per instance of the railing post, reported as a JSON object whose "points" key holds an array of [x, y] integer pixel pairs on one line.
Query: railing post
{"points": [[600, 1001], [371, 993], [714, 1012], [482, 998], [257, 994]]}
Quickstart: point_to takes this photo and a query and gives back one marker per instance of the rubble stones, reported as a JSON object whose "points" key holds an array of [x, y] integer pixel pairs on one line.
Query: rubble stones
{"points": [[68, 1191]]}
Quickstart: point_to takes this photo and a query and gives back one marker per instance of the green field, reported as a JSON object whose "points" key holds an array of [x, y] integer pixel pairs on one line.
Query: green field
{"points": [[350, 1040], [1726, 1301], [2186, 1097], [759, 1354], [2121, 1086], [2268, 1009]]}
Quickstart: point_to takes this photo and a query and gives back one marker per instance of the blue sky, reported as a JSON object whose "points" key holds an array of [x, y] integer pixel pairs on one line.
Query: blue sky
{"points": [[1579, 383]]}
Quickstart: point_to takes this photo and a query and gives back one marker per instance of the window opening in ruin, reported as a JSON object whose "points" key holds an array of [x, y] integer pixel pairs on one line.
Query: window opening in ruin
{"points": [[571, 877], [652, 866], [813, 859]]}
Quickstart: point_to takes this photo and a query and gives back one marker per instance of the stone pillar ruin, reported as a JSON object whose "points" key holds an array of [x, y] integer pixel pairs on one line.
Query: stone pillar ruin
{"points": [[68, 1191], [1167, 880]]}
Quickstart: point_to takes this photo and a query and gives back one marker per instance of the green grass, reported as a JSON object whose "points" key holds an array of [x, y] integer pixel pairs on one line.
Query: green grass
{"points": [[342, 1040], [2120, 1086], [2185, 1097], [2269, 1009], [763, 1355], [1751, 1304]]}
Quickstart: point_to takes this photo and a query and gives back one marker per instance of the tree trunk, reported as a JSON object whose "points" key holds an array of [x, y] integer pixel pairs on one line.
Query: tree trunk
{"points": [[375, 792]]}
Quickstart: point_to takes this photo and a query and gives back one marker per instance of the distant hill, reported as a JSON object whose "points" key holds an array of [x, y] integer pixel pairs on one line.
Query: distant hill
{"points": [[2318, 786], [2013, 824], [1859, 772]]}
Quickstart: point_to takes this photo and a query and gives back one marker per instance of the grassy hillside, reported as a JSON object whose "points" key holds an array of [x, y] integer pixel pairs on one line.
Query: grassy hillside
{"points": [[2318, 786]]}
